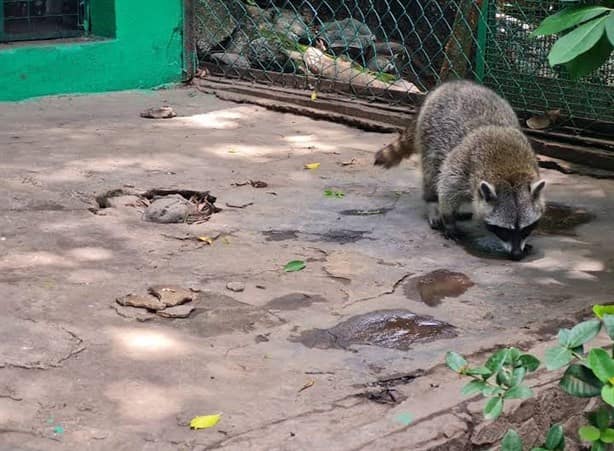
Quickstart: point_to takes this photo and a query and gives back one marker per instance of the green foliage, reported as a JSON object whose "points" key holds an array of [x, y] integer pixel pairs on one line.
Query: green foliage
{"points": [[555, 441], [587, 374], [500, 378], [587, 38]]}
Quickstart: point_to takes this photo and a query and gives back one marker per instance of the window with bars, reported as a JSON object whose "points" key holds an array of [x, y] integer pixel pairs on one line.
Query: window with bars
{"points": [[43, 19]]}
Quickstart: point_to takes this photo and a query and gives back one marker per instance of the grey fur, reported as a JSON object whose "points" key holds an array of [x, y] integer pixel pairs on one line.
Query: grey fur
{"points": [[473, 151]]}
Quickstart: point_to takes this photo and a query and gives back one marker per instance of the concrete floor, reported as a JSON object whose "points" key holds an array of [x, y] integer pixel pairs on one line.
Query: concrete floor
{"points": [[75, 375]]}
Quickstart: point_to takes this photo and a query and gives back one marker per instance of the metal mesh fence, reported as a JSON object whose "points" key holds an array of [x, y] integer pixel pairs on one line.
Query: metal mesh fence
{"points": [[391, 49]]}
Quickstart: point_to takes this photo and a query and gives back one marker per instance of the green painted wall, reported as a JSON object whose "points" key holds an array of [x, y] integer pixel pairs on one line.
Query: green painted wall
{"points": [[141, 48]]}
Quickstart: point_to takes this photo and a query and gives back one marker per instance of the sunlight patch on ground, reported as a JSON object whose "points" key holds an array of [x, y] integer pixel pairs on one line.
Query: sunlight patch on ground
{"points": [[146, 344]]}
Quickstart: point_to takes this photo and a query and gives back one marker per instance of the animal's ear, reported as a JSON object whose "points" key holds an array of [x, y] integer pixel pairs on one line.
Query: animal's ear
{"points": [[487, 191], [537, 188]]}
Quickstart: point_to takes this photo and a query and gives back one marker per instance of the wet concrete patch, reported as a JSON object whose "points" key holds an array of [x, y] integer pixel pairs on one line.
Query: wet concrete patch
{"points": [[294, 301], [561, 219], [343, 236], [280, 235], [394, 329], [218, 314], [45, 206], [436, 285], [365, 212], [388, 396], [484, 246]]}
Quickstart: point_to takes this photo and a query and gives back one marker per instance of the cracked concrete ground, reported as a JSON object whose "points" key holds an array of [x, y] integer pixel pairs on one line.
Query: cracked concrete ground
{"points": [[76, 375]]}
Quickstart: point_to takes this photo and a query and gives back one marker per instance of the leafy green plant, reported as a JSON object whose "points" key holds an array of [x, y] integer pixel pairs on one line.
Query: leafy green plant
{"points": [[587, 37], [500, 378], [587, 374], [555, 441]]}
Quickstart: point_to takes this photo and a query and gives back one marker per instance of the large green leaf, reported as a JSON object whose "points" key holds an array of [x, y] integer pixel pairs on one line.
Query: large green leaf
{"points": [[496, 361], [517, 376], [607, 394], [580, 381], [455, 361], [493, 408], [600, 310], [530, 362], [567, 18], [607, 436], [473, 387], [609, 27], [589, 433], [492, 390], [519, 392], [601, 363], [583, 332], [598, 446], [557, 357], [586, 63], [555, 437], [602, 418], [564, 337], [608, 324], [479, 371], [577, 42], [511, 441]]}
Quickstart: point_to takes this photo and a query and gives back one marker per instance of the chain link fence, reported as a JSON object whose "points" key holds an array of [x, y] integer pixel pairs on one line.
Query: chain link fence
{"points": [[391, 50]]}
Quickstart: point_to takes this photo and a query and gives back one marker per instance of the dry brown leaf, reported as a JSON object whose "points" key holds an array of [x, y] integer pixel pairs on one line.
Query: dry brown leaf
{"points": [[307, 385]]}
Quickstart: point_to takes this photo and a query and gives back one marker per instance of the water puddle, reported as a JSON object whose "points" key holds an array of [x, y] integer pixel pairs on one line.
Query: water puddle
{"points": [[561, 219], [294, 301], [280, 235], [394, 329], [436, 285], [343, 236], [365, 212]]}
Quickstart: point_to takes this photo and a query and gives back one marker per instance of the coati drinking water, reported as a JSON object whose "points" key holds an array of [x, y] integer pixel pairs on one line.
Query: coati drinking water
{"points": [[473, 151]]}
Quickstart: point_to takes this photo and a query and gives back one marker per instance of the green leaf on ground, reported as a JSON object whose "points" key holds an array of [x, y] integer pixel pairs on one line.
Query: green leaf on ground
{"points": [[294, 265]]}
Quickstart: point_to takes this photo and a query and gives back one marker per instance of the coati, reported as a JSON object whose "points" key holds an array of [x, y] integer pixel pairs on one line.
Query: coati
{"points": [[473, 151]]}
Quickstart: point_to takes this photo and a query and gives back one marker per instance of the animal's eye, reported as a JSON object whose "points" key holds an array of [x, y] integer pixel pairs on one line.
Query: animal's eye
{"points": [[526, 231], [503, 233]]}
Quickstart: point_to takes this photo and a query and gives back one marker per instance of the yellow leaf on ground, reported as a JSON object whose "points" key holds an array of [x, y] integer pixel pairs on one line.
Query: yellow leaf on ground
{"points": [[206, 239], [312, 165], [307, 385], [314, 95], [205, 421]]}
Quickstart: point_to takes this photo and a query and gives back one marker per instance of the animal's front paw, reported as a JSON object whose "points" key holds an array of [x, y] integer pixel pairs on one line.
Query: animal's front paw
{"points": [[449, 229], [452, 233], [434, 217]]}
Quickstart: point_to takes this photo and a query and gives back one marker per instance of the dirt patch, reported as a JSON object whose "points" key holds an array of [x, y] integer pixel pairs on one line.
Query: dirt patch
{"points": [[436, 285], [280, 235], [394, 329], [294, 301], [561, 219], [35, 344], [162, 205]]}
